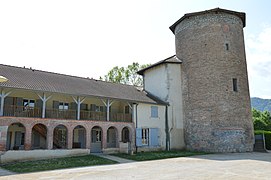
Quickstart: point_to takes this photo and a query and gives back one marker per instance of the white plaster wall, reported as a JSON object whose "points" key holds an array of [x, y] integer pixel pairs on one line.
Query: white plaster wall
{"points": [[144, 120], [164, 81], [155, 81]]}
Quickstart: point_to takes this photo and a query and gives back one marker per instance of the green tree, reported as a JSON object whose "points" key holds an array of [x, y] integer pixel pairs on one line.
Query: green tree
{"points": [[125, 75], [261, 120]]}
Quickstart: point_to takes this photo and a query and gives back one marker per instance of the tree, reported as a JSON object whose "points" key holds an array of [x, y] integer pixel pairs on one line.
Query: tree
{"points": [[125, 75], [261, 120]]}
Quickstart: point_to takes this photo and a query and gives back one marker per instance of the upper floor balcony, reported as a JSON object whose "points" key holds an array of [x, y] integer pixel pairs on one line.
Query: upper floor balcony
{"points": [[39, 94], [30, 104]]}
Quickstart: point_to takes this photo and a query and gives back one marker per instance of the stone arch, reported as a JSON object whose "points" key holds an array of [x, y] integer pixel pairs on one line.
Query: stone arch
{"points": [[16, 137], [39, 136], [96, 139], [112, 137], [125, 135], [60, 137], [79, 137]]}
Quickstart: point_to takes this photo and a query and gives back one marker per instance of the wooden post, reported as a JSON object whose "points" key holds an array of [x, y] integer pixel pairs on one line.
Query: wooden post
{"points": [[78, 101], [107, 104], [3, 95], [44, 100]]}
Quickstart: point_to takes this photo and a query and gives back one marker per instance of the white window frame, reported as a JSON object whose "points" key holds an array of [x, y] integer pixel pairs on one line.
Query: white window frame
{"points": [[145, 136], [28, 103], [63, 106]]}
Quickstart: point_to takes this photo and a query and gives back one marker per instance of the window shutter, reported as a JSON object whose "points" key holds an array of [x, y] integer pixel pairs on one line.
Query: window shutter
{"points": [[8, 101], [19, 101], [38, 103], [55, 104], [138, 137], [154, 111], [92, 107], [73, 106], [83, 106], [153, 135]]}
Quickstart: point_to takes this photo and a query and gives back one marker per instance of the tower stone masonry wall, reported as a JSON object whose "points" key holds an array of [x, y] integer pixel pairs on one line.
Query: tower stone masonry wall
{"points": [[216, 118]]}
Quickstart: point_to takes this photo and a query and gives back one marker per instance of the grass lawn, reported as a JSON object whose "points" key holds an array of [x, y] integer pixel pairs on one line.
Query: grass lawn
{"points": [[143, 156], [58, 163]]}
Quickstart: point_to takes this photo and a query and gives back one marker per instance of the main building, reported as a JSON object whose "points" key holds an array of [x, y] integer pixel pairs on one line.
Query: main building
{"points": [[197, 99]]}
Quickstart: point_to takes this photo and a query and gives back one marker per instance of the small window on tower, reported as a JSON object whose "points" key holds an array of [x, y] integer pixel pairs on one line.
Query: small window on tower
{"points": [[227, 46], [234, 83]]}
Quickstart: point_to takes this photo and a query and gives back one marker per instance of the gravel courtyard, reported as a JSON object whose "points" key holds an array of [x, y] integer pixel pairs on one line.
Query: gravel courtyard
{"points": [[213, 166]]}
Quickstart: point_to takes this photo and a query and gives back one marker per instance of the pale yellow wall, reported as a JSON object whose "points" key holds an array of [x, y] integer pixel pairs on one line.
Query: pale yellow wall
{"points": [[144, 120]]}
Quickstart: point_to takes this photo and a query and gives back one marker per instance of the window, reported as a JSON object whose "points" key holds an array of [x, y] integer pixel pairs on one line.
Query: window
{"points": [[63, 106], [227, 46], [96, 136], [145, 136], [28, 103], [100, 108], [234, 85], [154, 111]]}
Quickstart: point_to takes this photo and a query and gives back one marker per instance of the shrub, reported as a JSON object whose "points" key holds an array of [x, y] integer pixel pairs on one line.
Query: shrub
{"points": [[267, 135]]}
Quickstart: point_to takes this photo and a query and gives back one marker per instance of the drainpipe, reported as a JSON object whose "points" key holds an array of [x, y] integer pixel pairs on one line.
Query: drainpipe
{"points": [[136, 123], [167, 130]]}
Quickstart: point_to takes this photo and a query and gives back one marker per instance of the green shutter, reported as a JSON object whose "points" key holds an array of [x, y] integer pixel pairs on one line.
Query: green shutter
{"points": [[83, 106], [38, 103], [55, 104], [92, 107], [73, 106]]}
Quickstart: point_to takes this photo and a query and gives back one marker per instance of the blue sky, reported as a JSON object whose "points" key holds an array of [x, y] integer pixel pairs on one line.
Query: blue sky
{"points": [[88, 38]]}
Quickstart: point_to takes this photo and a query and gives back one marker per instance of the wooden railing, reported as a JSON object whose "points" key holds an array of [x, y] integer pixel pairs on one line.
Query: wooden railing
{"points": [[60, 114], [121, 117], [21, 111], [93, 115]]}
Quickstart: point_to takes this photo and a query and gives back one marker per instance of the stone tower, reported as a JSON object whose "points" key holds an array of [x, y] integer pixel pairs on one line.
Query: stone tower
{"points": [[215, 92]]}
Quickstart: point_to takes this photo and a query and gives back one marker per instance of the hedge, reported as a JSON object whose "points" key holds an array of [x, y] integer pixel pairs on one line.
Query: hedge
{"points": [[267, 135]]}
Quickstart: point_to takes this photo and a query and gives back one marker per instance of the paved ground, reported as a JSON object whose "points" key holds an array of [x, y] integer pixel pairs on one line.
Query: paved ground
{"points": [[114, 158], [4, 172], [215, 166]]}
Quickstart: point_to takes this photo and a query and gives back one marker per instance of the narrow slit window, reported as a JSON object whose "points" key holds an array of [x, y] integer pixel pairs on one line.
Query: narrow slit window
{"points": [[227, 46], [234, 83]]}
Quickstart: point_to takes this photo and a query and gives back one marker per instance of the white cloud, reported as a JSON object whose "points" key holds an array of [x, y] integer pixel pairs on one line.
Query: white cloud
{"points": [[258, 48]]}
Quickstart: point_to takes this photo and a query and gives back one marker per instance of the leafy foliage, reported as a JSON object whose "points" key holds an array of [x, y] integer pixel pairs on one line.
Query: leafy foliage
{"points": [[261, 120], [261, 104], [125, 75]]}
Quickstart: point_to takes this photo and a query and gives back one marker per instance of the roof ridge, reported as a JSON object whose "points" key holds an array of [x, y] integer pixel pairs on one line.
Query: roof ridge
{"points": [[140, 72]]}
